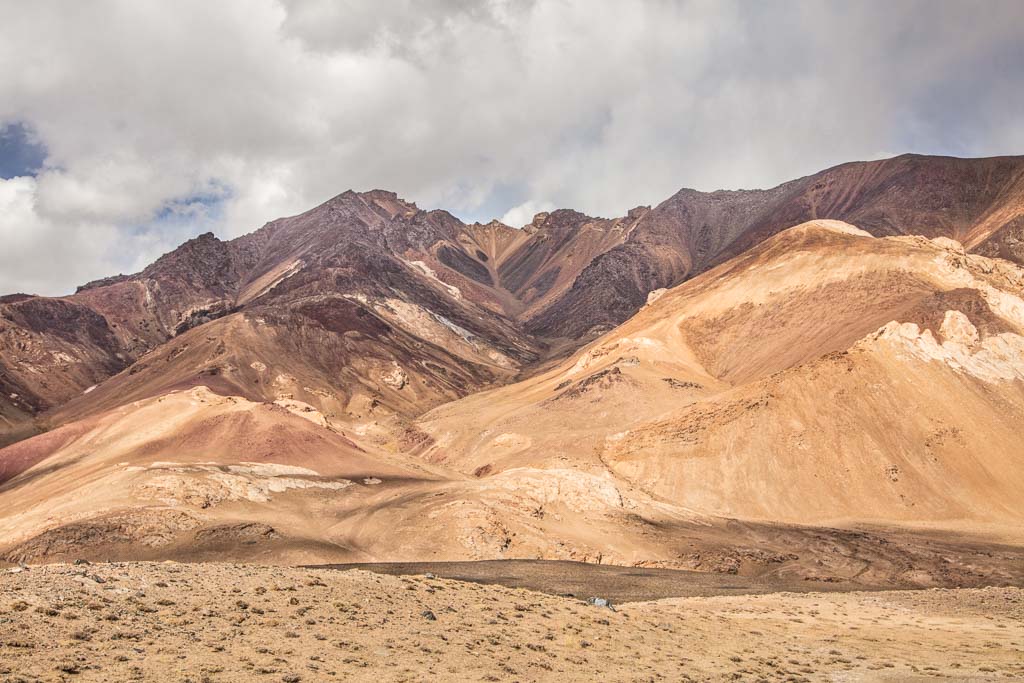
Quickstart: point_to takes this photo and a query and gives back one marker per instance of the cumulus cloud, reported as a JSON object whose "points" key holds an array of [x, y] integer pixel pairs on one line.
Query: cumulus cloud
{"points": [[161, 120], [35, 249]]}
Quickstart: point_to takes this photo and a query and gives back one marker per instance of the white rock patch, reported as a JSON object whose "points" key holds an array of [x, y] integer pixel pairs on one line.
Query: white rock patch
{"points": [[428, 271], [996, 358], [208, 485], [395, 377]]}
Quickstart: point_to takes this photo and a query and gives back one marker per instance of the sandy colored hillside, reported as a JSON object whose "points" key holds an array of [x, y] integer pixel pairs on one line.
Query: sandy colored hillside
{"points": [[220, 622], [824, 377], [198, 476], [195, 474]]}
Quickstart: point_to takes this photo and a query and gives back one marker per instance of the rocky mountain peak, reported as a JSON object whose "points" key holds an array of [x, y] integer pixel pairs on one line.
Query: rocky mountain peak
{"points": [[199, 253]]}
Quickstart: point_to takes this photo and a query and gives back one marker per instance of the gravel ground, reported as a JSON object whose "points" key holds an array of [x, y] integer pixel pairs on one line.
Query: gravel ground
{"points": [[222, 622]]}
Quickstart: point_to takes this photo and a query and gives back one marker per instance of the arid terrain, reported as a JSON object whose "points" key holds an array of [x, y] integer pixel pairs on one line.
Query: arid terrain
{"points": [[222, 622], [817, 387]]}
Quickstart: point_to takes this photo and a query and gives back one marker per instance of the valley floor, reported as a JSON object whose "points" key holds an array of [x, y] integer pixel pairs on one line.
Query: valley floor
{"points": [[222, 622]]}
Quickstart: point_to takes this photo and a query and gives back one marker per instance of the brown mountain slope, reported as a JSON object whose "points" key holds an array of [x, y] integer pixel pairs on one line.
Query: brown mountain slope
{"points": [[193, 475], [191, 472], [50, 351], [352, 278], [359, 363]]}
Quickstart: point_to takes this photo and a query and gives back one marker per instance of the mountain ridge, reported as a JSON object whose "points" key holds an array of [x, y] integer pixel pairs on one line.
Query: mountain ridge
{"points": [[526, 295]]}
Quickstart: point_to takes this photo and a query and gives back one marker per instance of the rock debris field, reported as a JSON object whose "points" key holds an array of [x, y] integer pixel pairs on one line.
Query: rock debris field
{"points": [[224, 622]]}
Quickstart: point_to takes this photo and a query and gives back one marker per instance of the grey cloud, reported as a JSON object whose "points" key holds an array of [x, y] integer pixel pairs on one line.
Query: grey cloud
{"points": [[344, 25]]}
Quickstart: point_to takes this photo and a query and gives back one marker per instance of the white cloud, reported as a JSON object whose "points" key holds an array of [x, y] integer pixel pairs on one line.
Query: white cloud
{"points": [[36, 250], [485, 108], [518, 216]]}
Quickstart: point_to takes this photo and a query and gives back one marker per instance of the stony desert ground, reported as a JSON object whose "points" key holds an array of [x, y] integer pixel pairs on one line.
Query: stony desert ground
{"points": [[225, 622]]}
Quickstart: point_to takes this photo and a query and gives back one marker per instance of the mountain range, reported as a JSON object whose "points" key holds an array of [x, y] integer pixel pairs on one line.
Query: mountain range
{"points": [[823, 380]]}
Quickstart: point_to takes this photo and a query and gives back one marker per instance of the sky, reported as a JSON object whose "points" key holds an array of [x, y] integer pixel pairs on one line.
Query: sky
{"points": [[127, 127]]}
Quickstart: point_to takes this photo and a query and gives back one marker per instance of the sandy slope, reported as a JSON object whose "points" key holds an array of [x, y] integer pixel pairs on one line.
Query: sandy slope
{"points": [[219, 622], [823, 377], [194, 475]]}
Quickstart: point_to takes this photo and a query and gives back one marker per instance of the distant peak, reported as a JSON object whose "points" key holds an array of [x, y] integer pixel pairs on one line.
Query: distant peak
{"points": [[340, 199], [387, 197], [201, 239], [15, 298], [103, 282], [380, 194], [199, 248], [559, 219], [384, 200], [204, 240]]}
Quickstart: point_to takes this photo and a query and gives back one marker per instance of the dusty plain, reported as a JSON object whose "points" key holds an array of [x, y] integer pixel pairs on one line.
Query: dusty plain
{"points": [[225, 622]]}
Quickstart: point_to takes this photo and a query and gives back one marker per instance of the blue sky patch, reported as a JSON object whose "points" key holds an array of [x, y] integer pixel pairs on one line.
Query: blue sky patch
{"points": [[21, 153]]}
